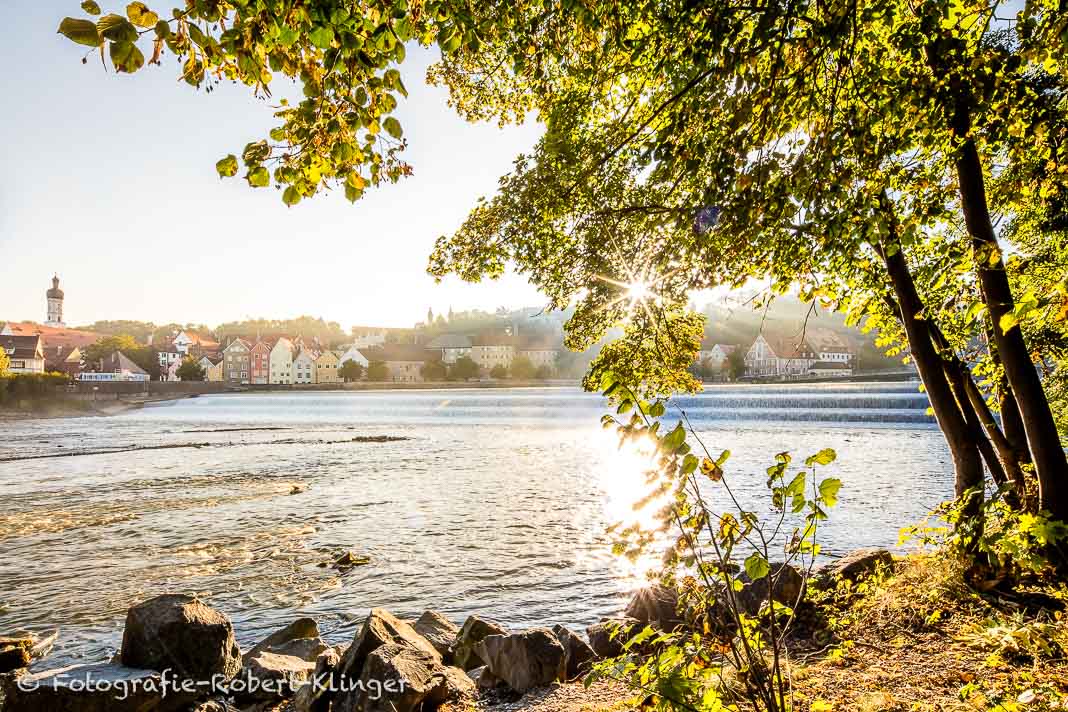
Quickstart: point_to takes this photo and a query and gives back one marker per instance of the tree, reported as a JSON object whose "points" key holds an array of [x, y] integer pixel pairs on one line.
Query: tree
{"points": [[350, 371], [735, 365], [5, 362], [499, 371], [434, 371], [463, 370], [190, 370], [690, 147], [377, 371], [522, 368]]}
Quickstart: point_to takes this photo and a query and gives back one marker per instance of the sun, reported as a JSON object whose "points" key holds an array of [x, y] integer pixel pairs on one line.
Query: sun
{"points": [[638, 291]]}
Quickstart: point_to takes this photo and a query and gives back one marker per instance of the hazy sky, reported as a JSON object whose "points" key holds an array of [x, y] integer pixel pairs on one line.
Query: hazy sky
{"points": [[110, 181]]}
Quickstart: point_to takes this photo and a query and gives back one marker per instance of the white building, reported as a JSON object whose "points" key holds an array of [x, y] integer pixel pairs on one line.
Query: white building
{"points": [[26, 353], [281, 362], [779, 356], [304, 367], [448, 348], [55, 304], [352, 353]]}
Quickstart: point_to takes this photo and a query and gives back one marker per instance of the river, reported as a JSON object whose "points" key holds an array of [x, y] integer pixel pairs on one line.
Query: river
{"points": [[496, 503]]}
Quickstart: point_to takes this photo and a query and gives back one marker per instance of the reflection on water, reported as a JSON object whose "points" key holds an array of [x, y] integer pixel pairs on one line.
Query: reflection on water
{"points": [[497, 503]]}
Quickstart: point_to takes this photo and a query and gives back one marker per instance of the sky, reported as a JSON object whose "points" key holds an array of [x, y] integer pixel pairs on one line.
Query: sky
{"points": [[109, 181]]}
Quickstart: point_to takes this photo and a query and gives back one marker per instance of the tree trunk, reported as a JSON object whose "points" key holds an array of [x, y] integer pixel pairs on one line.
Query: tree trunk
{"points": [[967, 463], [1051, 466]]}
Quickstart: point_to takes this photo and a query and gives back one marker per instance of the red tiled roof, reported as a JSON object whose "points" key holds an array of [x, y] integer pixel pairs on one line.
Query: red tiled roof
{"points": [[54, 336]]}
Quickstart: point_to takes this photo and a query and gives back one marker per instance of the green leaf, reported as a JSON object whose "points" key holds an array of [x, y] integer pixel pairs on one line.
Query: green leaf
{"points": [[116, 28], [259, 177], [291, 196], [140, 15], [689, 464], [83, 32], [163, 30], [91, 7], [824, 457], [321, 37], [126, 57], [393, 127], [756, 566], [1007, 322], [227, 167], [829, 491]]}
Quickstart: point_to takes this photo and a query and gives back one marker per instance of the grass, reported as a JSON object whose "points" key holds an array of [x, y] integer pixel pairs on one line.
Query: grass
{"points": [[919, 639]]}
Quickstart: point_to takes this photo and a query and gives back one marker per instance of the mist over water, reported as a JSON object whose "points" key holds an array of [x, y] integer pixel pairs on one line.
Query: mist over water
{"points": [[496, 503]]}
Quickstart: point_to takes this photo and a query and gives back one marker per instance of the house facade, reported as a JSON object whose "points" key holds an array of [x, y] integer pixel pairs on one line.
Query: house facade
{"points": [[116, 367], [493, 350], [25, 352], [326, 367], [447, 348], [403, 361], [304, 367], [281, 362], [259, 363], [214, 371], [779, 357], [830, 347], [353, 353], [236, 362]]}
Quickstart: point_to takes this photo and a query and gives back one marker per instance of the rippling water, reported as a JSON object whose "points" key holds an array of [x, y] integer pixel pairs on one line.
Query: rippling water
{"points": [[497, 503]]}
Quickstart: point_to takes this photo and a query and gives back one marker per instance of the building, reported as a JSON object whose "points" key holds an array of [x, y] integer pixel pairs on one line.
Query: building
{"points": [[169, 361], [259, 362], [55, 304], [236, 362], [366, 336], [281, 362], [25, 353], [490, 350], [404, 361], [447, 348], [352, 353], [62, 347], [541, 353], [116, 367], [830, 347], [773, 356], [715, 354], [304, 367], [326, 367], [213, 369], [830, 369], [192, 343]]}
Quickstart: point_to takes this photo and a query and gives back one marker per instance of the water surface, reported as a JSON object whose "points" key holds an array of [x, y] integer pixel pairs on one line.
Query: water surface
{"points": [[496, 503]]}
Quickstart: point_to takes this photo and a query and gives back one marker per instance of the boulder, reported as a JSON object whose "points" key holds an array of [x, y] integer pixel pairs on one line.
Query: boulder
{"points": [[396, 678], [471, 633], [270, 676], [577, 652], [608, 636], [99, 687], [524, 660], [17, 653], [381, 628], [219, 705], [315, 695], [453, 685], [299, 639], [856, 565], [439, 630], [786, 584], [656, 606], [180, 633], [483, 678]]}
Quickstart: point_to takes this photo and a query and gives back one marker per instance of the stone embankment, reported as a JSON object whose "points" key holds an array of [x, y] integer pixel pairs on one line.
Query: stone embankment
{"points": [[179, 654]]}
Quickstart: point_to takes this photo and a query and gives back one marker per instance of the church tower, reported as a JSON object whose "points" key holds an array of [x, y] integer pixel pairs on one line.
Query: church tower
{"points": [[55, 304]]}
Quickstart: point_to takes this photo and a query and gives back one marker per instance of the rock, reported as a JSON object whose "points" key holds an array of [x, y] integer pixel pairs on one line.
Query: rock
{"points": [[856, 565], [439, 630], [179, 633], [395, 678], [473, 631], [453, 685], [786, 583], [608, 636], [100, 687], [215, 706], [299, 639], [350, 559], [380, 628], [483, 678], [316, 694], [577, 652], [270, 676], [17, 653], [655, 605], [524, 660]]}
